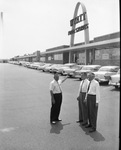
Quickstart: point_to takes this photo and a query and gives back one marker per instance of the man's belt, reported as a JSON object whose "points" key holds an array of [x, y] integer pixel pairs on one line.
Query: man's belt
{"points": [[91, 95], [83, 92]]}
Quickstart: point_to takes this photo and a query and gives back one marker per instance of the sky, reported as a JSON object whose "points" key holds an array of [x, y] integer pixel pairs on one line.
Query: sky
{"points": [[31, 25]]}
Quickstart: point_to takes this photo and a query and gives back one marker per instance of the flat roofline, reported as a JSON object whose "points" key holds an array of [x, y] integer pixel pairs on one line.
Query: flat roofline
{"points": [[27, 56], [86, 46]]}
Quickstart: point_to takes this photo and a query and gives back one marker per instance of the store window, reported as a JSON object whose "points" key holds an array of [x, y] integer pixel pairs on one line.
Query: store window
{"points": [[115, 53], [58, 57], [82, 58], [49, 57], [42, 58], [97, 55]]}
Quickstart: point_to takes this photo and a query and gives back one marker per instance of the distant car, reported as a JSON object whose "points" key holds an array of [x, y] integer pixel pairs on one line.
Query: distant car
{"points": [[35, 65], [114, 80], [104, 71], [65, 66], [71, 71], [27, 64], [43, 66], [55, 68], [17, 63], [22, 63], [87, 69], [47, 69]]}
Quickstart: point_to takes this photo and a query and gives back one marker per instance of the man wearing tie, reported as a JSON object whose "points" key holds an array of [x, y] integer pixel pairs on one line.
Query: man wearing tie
{"points": [[56, 98], [83, 114], [92, 99]]}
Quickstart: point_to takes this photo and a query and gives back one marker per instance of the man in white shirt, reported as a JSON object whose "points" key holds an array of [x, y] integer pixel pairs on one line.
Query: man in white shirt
{"points": [[92, 98], [83, 114], [56, 98]]}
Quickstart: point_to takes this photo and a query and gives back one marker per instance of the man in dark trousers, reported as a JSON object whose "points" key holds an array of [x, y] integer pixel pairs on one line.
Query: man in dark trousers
{"points": [[56, 98], [83, 114], [92, 98]]}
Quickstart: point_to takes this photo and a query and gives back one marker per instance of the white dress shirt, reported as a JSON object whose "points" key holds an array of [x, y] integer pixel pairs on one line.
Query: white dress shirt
{"points": [[83, 86], [55, 86], [94, 90]]}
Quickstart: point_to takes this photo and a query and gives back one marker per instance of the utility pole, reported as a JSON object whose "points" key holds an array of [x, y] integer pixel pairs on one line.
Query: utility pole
{"points": [[1, 33]]}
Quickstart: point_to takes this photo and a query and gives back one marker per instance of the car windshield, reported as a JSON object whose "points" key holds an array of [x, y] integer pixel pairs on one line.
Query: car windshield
{"points": [[69, 65], [87, 68], [47, 65], [60, 65], [106, 69]]}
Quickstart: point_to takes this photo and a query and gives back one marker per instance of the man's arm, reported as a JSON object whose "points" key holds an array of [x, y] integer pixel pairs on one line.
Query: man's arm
{"points": [[64, 79], [97, 93], [52, 97], [78, 95], [51, 93]]}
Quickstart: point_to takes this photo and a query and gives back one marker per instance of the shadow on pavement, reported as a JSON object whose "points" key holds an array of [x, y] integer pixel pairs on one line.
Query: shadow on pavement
{"points": [[57, 127], [95, 135], [115, 89]]}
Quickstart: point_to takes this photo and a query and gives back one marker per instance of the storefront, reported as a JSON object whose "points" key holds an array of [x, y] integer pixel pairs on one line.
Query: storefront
{"points": [[104, 51]]}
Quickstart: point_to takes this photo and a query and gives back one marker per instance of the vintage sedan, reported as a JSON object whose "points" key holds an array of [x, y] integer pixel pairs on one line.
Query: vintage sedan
{"points": [[104, 71], [66, 66], [55, 68], [114, 80], [87, 69], [43, 66], [48, 68], [35, 65], [27, 64], [71, 71]]}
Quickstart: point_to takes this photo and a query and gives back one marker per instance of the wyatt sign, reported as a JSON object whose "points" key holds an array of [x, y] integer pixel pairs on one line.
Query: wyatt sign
{"points": [[76, 20], [78, 29]]}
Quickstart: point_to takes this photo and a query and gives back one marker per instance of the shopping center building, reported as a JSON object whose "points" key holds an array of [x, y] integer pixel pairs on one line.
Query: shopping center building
{"points": [[103, 50]]}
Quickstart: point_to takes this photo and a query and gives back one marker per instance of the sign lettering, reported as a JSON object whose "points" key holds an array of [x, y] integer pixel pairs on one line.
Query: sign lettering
{"points": [[78, 29], [78, 19]]}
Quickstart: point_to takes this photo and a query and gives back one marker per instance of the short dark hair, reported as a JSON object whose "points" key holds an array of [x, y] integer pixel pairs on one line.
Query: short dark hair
{"points": [[84, 73], [55, 73], [91, 73]]}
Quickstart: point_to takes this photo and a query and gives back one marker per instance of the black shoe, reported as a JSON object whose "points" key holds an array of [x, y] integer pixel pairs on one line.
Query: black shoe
{"points": [[84, 124], [79, 121], [59, 120], [88, 126], [92, 130]]}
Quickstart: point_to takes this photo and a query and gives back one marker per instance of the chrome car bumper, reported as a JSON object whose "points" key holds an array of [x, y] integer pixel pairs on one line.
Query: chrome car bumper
{"points": [[114, 84], [101, 80]]}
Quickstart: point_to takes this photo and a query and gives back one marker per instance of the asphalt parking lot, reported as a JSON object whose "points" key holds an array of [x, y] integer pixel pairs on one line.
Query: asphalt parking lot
{"points": [[25, 109]]}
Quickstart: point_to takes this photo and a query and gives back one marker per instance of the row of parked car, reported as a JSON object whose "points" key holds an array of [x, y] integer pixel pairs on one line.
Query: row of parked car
{"points": [[107, 74]]}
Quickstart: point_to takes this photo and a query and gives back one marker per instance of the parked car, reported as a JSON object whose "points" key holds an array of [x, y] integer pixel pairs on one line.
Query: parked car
{"points": [[71, 71], [66, 66], [47, 69], [21, 63], [104, 71], [35, 65], [27, 64], [87, 69], [54, 68], [114, 80], [43, 66]]}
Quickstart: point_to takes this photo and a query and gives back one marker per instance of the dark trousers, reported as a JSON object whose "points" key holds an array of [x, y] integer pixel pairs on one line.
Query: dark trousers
{"points": [[80, 107], [84, 109], [55, 108], [92, 110]]}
